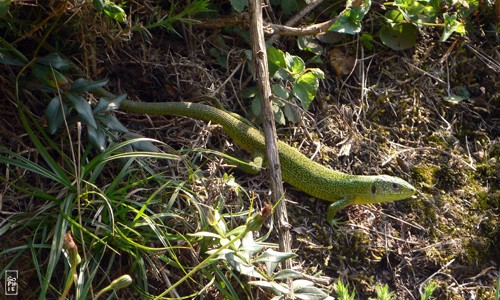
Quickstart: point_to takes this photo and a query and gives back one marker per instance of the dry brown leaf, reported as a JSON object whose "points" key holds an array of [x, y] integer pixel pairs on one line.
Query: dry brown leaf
{"points": [[342, 64]]}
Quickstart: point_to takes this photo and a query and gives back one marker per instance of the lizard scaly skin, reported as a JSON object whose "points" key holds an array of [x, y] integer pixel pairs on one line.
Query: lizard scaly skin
{"points": [[297, 169]]}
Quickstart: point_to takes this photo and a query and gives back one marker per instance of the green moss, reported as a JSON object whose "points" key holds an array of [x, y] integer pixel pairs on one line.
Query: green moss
{"points": [[476, 251], [451, 177], [440, 139], [495, 150], [487, 200], [488, 173], [426, 174]]}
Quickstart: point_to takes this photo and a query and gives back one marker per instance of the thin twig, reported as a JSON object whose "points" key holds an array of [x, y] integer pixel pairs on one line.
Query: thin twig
{"points": [[261, 75], [299, 16]]}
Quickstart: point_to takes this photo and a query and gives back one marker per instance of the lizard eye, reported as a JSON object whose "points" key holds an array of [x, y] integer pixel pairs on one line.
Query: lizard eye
{"points": [[374, 189], [395, 186]]}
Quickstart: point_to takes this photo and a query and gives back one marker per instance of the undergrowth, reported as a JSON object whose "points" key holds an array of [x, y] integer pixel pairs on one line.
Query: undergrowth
{"points": [[95, 209]]}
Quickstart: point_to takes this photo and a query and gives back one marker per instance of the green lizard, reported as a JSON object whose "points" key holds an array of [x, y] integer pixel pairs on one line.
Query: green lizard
{"points": [[297, 169]]}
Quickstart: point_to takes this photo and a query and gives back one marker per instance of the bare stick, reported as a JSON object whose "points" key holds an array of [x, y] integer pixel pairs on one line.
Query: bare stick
{"points": [[270, 28], [261, 74], [296, 18]]}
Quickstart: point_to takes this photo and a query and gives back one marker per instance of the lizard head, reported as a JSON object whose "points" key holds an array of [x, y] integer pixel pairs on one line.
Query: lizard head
{"points": [[384, 188]]}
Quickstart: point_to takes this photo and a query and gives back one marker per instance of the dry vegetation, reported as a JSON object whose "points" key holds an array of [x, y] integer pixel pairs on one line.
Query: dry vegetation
{"points": [[387, 116]]}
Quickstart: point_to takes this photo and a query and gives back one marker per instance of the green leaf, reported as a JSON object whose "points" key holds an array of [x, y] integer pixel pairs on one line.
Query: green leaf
{"points": [[114, 11], [276, 60], [55, 61], [310, 293], [97, 137], [367, 40], [394, 16], [287, 274], [250, 92], [242, 267], [292, 113], [256, 106], [105, 105], [346, 24], [249, 245], [112, 123], [280, 91], [283, 74], [7, 58], [83, 109], [305, 88], [349, 20], [277, 103], [142, 144], [55, 113], [288, 7], [415, 10], [318, 73], [4, 6], [239, 5], [403, 4], [279, 117], [399, 37], [98, 4], [294, 63], [274, 256], [451, 24], [310, 44], [81, 85], [50, 77]]}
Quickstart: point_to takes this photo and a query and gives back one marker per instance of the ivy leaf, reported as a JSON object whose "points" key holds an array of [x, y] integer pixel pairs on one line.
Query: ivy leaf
{"points": [[451, 24]]}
